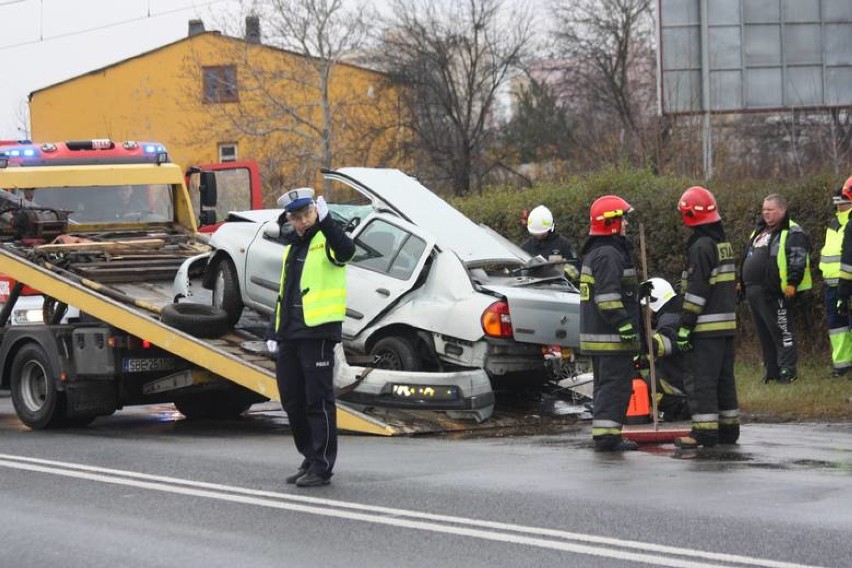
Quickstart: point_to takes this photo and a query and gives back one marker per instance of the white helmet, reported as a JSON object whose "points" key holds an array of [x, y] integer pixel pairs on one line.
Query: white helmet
{"points": [[540, 221], [661, 293]]}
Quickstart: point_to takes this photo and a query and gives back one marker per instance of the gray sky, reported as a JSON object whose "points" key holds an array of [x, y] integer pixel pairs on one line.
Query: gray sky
{"points": [[43, 42]]}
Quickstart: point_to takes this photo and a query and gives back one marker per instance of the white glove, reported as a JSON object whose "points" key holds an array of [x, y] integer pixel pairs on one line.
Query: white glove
{"points": [[272, 346], [322, 208]]}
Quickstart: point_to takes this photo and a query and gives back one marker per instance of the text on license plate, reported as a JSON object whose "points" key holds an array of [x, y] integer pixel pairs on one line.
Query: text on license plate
{"points": [[148, 364]]}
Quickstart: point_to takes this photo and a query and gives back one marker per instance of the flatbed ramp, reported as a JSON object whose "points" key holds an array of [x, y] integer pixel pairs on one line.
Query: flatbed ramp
{"points": [[222, 356]]}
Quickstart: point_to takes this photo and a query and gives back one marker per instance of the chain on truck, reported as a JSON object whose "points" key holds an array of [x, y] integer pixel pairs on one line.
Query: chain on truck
{"points": [[110, 229]]}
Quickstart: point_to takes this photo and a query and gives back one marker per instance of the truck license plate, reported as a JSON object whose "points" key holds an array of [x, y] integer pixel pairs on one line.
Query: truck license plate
{"points": [[148, 364]]}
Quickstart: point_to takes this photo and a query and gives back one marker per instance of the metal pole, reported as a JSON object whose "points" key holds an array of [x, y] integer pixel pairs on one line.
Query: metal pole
{"points": [[705, 91]]}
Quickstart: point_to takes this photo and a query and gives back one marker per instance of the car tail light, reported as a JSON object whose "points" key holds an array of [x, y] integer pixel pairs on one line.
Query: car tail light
{"points": [[496, 321]]}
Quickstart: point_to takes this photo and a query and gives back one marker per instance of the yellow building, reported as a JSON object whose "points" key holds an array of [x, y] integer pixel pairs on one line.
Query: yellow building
{"points": [[210, 98]]}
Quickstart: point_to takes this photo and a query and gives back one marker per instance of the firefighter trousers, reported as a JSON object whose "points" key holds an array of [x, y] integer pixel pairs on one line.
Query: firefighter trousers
{"points": [[305, 374], [613, 385], [710, 384], [774, 325]]}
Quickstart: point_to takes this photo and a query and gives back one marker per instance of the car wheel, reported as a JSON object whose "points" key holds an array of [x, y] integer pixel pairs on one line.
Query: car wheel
{"points": [[197, 320], [34, 395], [396, 353], [226, 291]]}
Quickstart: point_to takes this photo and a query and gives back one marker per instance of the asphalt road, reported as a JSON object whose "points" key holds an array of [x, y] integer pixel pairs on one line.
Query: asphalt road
{"points": [[147, 488]]}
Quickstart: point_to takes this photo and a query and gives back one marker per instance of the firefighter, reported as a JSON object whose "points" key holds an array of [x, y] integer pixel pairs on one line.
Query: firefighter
{"points": [[609, 319], [670, 363], [837, 314], [775, 269], [544, 241], [306, 325], [708, 324]]}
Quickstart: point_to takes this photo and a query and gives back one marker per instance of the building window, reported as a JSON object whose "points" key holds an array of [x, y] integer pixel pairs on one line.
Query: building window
{"points": [[227, 152], [220, 84]]}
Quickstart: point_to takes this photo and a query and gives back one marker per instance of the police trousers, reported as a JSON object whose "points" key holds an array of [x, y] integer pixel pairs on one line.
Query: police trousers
{"points": [[305, 375]]}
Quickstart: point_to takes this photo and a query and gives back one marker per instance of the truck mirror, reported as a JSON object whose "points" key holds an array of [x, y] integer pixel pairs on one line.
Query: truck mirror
{"points": [[272, 231], [207, 189], [207, 217]]}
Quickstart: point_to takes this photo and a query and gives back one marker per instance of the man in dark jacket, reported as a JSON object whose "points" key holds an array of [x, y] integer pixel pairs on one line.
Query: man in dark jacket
{"points": [[708, 324], [609, 319], [776, 268], [545, 242], [305, 328]]}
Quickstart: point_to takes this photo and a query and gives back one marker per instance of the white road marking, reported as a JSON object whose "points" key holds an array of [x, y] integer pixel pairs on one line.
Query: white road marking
{"points": [[403, 518]]}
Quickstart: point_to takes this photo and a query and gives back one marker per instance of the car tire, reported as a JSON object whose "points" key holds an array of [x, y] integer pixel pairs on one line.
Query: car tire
{"points": [[226, 291], [396, 353], [198, 320], [35, 397], [213, 405]]}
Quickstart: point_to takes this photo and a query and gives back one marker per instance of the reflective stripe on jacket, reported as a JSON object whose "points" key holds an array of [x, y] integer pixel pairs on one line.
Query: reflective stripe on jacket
{"points": [[322, 284], [790, 258], [709, 288]]}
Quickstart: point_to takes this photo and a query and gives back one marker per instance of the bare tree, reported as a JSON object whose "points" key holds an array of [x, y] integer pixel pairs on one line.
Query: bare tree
{"points": [[451, 59], [605, 50], [308, 98]]}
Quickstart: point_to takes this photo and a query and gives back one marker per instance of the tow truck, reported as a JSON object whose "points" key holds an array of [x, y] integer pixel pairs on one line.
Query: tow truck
{"points": [[87, 243]]}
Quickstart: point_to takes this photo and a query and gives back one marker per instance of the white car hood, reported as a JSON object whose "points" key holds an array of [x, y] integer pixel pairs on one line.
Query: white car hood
{"points": [[416, 203]]}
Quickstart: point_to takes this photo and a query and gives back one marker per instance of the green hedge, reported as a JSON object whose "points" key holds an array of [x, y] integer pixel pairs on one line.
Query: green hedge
{"points": [[655, 200]]}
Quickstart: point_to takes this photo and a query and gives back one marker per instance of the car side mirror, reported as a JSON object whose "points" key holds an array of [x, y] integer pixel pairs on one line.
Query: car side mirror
{"points": [[272, 231], [207, 189], [352, 224]]}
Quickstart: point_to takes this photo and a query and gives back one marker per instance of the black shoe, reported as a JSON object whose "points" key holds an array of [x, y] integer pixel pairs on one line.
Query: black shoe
{"points": [[611, 443], [311, 479], [291, 479], [788, 376]]}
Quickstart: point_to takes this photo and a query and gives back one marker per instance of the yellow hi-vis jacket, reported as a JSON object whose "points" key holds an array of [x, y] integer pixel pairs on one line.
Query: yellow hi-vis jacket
{"points": [[325, 282], [829, 260]]}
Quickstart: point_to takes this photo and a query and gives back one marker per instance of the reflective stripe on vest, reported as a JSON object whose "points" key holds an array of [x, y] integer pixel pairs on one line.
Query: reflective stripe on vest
{"points": [[326, 285], [829, 258]]}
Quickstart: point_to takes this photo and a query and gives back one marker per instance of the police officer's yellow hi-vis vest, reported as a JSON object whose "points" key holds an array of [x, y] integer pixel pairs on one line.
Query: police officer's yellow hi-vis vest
{"points": [[829, 261], [781, 260], [325, 282]]}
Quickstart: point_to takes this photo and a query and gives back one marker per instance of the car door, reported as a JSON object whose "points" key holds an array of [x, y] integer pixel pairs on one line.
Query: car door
{"points": [[390, 255], [263, 269]]}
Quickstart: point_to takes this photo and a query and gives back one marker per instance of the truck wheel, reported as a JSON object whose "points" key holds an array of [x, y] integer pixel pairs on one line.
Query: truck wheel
{"points": [[213, 405], [34, 395], [198, 320], [226, 291], [396, 353]]}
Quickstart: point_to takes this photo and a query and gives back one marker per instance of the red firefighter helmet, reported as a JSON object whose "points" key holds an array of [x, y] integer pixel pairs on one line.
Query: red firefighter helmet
{"points": [[606, 215], [698, 207], [844, 194]]}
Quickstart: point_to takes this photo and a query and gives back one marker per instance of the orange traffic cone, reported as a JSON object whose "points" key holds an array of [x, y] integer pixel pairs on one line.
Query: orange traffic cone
{"points": [[639, 409]]}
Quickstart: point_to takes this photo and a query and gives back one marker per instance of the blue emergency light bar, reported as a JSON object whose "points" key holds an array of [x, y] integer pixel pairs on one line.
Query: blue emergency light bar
{"points": [[83, 152]]}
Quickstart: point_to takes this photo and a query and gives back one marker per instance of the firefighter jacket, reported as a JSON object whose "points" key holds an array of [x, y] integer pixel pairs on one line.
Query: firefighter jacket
{"points": [[553, 244], [666, 326], [312, 291], [608, 296], [789, 257], [708, 284], [829, 257]]}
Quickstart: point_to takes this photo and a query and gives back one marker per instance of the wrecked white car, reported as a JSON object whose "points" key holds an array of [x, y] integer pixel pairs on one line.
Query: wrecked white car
{"points": [[428, 289]]}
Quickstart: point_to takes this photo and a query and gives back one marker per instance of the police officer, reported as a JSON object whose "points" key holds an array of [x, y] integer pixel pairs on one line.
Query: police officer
{"points": [[708, 324], [544, 241], [837, 316], [775, 269], [670, 362], [609, 319], [306, 326]]}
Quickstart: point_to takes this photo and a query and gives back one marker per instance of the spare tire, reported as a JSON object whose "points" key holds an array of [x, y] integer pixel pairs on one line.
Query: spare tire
{"points": [[198, 320]]}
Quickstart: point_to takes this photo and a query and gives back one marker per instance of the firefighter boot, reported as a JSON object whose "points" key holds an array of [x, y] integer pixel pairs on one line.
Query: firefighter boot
{"points": [[696, 438], [729, 433], [613, 443]]}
